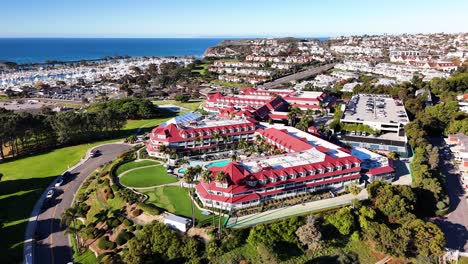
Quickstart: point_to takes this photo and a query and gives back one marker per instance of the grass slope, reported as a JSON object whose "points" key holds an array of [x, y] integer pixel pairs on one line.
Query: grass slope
{"points": [[177, 201], [134, 164], [147, 177]]}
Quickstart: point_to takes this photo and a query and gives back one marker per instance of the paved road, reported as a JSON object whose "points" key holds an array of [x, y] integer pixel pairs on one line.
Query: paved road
{"points": [[297, 76], [254, 219], [52, 245], [455, 224]]}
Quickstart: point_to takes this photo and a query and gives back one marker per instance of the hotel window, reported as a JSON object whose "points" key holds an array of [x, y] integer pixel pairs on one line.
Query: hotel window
{"points": [[338, 168]]}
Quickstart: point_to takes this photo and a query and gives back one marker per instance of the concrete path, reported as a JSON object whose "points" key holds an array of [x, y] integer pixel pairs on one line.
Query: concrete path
{"points": [[310, 207]]}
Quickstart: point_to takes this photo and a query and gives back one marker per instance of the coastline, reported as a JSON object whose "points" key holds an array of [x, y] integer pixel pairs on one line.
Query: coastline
{"points": [[41, 50]]}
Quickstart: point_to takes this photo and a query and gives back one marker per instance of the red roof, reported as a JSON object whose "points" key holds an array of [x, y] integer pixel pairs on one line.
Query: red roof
{"points": [[285, 139], [380, 170], [173, 133]]}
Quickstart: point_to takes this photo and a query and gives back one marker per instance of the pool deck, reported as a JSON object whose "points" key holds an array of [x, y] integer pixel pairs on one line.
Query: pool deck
{"points": [[204, 164]]}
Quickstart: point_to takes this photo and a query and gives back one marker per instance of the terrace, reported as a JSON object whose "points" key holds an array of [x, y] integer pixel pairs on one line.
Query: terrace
{"points": [[284, 160]]}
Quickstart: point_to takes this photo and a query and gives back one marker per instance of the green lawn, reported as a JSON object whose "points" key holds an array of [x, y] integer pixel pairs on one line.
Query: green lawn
{"points": [[176, 200], [192, 105], [144, 123], [203, 68], [147, 177], [86, 257], [26, 178], [23, 182], [134, 164]]}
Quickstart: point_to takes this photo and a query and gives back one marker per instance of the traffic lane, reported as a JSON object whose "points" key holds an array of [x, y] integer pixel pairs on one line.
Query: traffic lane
{"points": [[53, 245], [455, 224]]}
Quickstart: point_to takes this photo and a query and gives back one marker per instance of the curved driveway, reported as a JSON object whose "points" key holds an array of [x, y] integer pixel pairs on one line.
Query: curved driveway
{"points": [[52, 245]]}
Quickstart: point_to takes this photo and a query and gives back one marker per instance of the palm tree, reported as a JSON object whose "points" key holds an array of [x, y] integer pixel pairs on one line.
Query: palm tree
{"points": [[233, 157], [243, 144], [221, 177], [354, 190], [196, 171], [193, 207], [197, 140], [207, 176], [258, 139], [189, 175], [68, 218]]}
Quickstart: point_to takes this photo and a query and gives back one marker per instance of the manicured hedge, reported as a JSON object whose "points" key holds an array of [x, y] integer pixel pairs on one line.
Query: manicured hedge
{"points": [[105, 244]]}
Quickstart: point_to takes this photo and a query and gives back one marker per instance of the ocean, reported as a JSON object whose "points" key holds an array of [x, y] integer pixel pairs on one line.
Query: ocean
{"points": [[30, 50]]}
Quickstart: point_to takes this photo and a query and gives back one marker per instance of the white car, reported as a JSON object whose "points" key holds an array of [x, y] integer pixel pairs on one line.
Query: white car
{"points": [[59, 182], [50, 194]]}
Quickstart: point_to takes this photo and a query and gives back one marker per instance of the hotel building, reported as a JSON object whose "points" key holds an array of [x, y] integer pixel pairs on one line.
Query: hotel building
{"points": [[257, 98], [308, 164], [193, 133]]}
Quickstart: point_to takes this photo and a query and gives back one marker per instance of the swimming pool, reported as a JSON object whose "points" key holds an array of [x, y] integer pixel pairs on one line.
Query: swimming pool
{"points": [[219, 163], [191, 164]]}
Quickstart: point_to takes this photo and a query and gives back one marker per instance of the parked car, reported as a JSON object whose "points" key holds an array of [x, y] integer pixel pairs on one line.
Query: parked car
{"points": [[50, 194], [59, 182], [66, 174]]}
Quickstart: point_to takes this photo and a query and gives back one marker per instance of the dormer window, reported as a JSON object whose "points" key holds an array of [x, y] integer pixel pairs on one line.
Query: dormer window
{"points": [[356, 164], [338, 168]]}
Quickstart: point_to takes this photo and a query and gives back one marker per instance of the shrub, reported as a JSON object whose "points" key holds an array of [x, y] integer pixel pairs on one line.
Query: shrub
{"points": [[127, 222], [90, 232], [131, 228], [149, 208], [105, 244], [113, 222], [115, 187], [137, 212], [123, 237]]}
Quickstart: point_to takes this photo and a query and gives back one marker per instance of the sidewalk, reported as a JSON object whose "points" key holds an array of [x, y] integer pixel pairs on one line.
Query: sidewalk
{"points": [[254, 219]]}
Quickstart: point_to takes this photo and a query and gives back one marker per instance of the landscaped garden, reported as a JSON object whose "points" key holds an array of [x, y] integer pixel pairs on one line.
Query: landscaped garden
{"points": [[24, 179], [146, 177], [176, 200]]}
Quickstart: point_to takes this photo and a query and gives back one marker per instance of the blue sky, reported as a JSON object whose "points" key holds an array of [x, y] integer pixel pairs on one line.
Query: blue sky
{"points": [[222, 18]]}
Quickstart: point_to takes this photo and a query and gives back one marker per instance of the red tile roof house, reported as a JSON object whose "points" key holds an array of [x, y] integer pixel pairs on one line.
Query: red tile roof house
{"points": [[303, 168]]}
